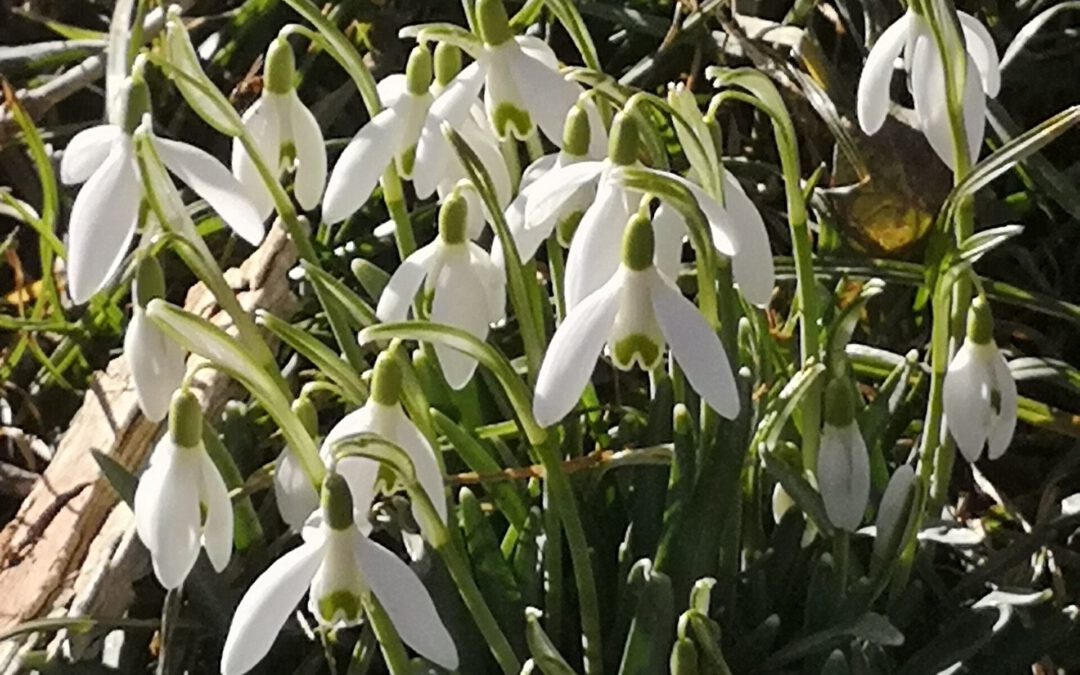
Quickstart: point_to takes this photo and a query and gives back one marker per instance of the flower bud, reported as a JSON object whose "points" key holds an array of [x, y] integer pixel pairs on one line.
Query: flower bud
{"points": [[280, 67], [136, 94], [576, 133], [447, 63], [386, 381], [638, 243], [337, 502], [304, 409], [623, 146], [454, 218], [418, 71], [980, 322], [892, 513], [149, 281], [185, 419], [493, 22]]}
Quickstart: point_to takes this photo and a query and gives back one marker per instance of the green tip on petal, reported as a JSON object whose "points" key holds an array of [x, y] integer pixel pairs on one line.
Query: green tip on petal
{"points": [[682, 421], [138, 103], [453, 218], [340, 605], [418, 72], [280, 67], [149, 281], [447, 63], [576, 132], [185, 419], [305, 410], [638, 244], [493, 22], [839, 403], [980, 322], [337, 503], [623, 146], [386, 381]]}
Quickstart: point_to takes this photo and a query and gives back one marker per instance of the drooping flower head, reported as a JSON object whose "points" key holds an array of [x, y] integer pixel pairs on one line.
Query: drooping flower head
{"points": [[156, 362], [339, 568], [181, 503], [843, 464], [911, 35], [285, 133], [635, 314], [468, 290], [980, 393]]}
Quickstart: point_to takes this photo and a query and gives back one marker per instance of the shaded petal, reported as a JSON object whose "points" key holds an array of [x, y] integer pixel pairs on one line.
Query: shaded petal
{"points": [[430, 477], [359, 472], [980, 45], [873, 93], [843, 475], [546, 95], [460, 301], [538, 168], [493, 277], [296, 498], [212, 181], [695, 347], [1003, 424], [928, 94], [167, 511], [669, 231], [310, 155], [86, 152], [218, 529], [407, 602], [361, 164], [156, 363], [433, 152], [725, 231], [261, 123], [551, 194], [398, 294], [571, 357], [967, 400], [266, 606], [752, 265], [484, 144], [891, 513], [594, 253], [102, 223]]}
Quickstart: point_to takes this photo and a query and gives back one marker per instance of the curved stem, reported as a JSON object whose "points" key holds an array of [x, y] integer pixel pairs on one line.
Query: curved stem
{"points": [[397, 661]]}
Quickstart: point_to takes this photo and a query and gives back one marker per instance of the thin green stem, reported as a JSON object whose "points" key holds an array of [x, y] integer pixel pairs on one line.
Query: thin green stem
{"points": [[290, 220], [397, 661]]}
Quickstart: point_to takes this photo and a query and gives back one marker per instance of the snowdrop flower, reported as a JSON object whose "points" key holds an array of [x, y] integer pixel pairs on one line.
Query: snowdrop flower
{"points": [[106, 210], [338, 567], [391, 135], [635, 314], [980, 393], [911, 35], [181, 504], [155, 361], [383, 416], [469, 291], [281, 126], [843, 464], [296, 498]]}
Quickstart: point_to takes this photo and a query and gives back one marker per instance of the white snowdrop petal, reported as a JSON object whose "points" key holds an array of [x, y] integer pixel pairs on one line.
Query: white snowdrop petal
{"points": [[213, 182], [725, 232], [456, 304], [485, 146], [668, 231], [295, 497], [86, 152], [261, 123], [218, 529], [571, 357], [102, 223], [1004, 422], [928, 94], [974, 110], [398, 294], [752, 265], [873, 93], [537, 169], [536, 48], [156, 364], [549, 195], [594, 254], [433, 152], [890, 514], [407, 603], [358, 421], [695, 346], [310, 155], [980, 45], [966, 398], [843, 475], [266, 606], [493, 278], [361, 164], [546, 95], [391, 88], [169, 522], [409, 438]]}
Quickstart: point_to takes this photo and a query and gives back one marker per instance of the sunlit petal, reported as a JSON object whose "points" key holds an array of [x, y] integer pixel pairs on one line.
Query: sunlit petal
{"points": [[1004, 422], [550, 195], [752, 265], [433, 152], [967, 400], [980, 45], [546, 95], [594, 255], [218, 529], [167, 512], [296, 498], [86, 152], [361, 164], [310, 155], [261, 122], [409, 438], [398, 294], [156, 363], [873, 93], [456, 304]]}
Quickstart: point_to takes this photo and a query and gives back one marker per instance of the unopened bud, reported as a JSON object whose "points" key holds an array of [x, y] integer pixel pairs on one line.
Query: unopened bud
{"points": [[454, 218], [447, 63], [149, 281], [386, 381], [639, 243], [576, 132], [623, 146], [280, 67], [337, 502], [493, 22], [418, 71], [185, 419]]}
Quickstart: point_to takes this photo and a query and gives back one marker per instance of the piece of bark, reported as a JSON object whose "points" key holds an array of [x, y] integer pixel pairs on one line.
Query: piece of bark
{"points": [[84, 555]]}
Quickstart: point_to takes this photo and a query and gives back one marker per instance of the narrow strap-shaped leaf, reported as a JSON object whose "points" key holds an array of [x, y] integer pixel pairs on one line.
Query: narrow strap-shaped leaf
{"points": [[328, 363]]}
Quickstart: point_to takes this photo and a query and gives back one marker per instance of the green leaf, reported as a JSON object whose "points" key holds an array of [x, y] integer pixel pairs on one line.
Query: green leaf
{"points": [[247, 530], [345, 311], [805, 497], [871, 627], [567, 14], [649, 642], [121, 480], [843, 326], [182, 66], [372, 277], [321, 356], [981, 243], [444, 32], [543, 651]]}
